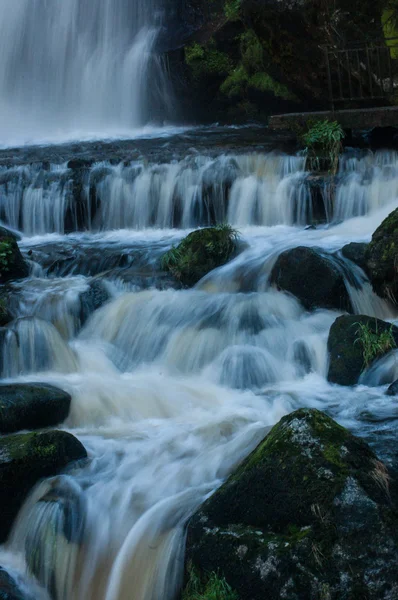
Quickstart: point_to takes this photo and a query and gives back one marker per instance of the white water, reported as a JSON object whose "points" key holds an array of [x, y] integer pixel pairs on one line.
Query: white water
{"points": [[171, 389], [78, 69]]}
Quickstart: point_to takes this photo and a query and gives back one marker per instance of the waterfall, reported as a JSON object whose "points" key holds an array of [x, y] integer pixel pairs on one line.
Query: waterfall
{"points": [[79, 68]]}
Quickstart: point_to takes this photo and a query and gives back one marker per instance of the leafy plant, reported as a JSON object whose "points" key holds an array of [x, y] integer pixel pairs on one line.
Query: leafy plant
{"points": [[373, 343], [215, 588], [5, 254], [232, 10], [322, 142]]}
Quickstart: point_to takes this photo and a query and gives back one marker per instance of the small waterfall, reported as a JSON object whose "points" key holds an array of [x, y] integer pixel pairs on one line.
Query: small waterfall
{"points": [[79, 69]]}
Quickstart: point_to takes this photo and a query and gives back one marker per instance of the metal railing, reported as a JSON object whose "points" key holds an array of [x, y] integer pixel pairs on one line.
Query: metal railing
{"points": [[363, 73]]}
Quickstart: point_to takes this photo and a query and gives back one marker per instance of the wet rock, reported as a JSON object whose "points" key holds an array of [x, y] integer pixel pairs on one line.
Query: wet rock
{"points": [[92, 299], [393, 389], [313, 276], [381, 257], [310, 514], [356, 253], [4, 232], [199, 253], [24, 460], [346, 348], [31, 406], [9, 589], [12, 263]]}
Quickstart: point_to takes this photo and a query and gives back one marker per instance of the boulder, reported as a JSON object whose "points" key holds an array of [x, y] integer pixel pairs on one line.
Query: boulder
{"points": [[9, 589], [12, 263], [356, 253], [24, 460], [313, 276], [199, 253], [381, 258], [31, 406], [310, 514], [354, 343], [92, 299]]}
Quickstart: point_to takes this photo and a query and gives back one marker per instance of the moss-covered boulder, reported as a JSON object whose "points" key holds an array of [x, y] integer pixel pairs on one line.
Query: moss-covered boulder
{"points": [[24, 460], [200, 252], [311, 514], [313, 276], [31, 406], [354, 343], [12, 263], [382, 258], [9, 588]]}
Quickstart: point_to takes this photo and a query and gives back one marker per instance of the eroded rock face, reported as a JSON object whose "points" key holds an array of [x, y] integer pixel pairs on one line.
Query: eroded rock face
{"points": [[381, 257], [24, 460], [31, 406], [310, 514], [313, 277], [346, 351]]}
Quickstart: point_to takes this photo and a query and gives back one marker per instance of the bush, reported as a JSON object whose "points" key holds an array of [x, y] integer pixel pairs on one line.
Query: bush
{"points": [[322, 144]]}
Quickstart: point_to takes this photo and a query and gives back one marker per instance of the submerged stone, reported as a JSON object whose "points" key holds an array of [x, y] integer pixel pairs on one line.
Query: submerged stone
{"points": [[310, 514], [24, 460], [313, 277], [200, 252], [31, 406], [354, 343]]}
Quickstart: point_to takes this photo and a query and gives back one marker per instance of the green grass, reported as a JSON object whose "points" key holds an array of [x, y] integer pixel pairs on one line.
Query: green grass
{"points": [[373, 343], [323, 142], [214, 588]]}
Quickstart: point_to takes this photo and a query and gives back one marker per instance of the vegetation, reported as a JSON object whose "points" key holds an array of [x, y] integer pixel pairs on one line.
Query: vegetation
{"points": [[323, 143], [215, 587], [6, 251], [232, 10], [207, 60], [374, 344]]}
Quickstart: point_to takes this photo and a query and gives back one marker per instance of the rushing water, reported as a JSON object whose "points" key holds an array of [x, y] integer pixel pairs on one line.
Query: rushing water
{"points": [[172, 388], [79, 68]]}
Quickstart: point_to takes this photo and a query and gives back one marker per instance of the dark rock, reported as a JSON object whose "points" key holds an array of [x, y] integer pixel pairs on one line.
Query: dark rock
{"points": [[356, 253], [24, 460], [31, 406], [4, 232], [393, 389], [381, 257], [199, 253], [311, 514], [347, 360], [92, 299], [313, 276], [12, 263], [9, 589]]}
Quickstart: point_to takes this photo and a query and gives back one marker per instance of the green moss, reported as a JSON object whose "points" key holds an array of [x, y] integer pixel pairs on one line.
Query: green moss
{"points": [[236, 83], [6, 251], [207, 587], [207, 60], [265, 83], [251, 51], [232, 10], [200, 252]]}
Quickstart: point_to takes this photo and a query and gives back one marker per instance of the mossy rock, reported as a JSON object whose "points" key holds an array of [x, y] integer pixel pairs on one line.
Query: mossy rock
{"points": [[346, 352], [24, 460], [199, 253], [12, 263], [31, 406], [313, 276], [382, 258], [356, 253], [310, 514]]}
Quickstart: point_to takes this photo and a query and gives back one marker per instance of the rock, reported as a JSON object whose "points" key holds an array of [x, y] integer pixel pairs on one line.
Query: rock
{"points": [[92, 299], [313, 276], [346, 350], [199, 253], [393, 389], [31, 406], [4, 232], [381, 258], [9, 589], [12, 263], [356, 253], [310, 514], [24, 460]]}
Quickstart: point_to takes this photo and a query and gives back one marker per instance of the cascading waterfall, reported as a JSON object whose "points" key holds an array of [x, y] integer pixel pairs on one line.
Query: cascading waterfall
{"points": [[79, 68], [170, 388]]}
